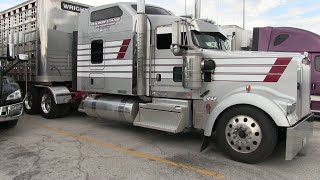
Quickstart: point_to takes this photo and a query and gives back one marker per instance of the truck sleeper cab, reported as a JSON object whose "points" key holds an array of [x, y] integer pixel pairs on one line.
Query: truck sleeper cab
{"points": [[163, 72]]}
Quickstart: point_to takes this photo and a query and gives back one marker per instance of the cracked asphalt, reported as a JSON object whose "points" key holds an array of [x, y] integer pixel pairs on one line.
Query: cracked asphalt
{"points": [[80, 147]]}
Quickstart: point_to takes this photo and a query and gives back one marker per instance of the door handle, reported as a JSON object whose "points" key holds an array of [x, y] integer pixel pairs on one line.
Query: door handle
{"points": [[92, 81], [313, 87]]}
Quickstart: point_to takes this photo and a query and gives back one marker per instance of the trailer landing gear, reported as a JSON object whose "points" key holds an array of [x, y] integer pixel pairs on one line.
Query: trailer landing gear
{"points": [[32, 103]]}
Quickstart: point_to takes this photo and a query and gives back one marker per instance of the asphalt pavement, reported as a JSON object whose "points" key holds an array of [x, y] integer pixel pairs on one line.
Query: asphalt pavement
{"points": [[81, 147]]}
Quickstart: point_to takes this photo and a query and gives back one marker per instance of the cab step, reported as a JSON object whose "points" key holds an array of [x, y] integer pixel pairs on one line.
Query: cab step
{"points": [[165, 115]]}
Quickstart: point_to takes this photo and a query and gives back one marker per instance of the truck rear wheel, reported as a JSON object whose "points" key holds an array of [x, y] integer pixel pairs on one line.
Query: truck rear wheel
{"points": [[32, 102], [49, 109], [246, 134], [9, 124]]}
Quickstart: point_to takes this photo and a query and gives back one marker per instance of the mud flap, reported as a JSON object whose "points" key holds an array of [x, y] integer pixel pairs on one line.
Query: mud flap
{"points": [[205, 143]]}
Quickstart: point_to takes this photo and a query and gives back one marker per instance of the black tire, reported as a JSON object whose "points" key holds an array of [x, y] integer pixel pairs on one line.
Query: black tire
{"points": [[9, 124], [55, 110], [32, 104], [255, 152]]}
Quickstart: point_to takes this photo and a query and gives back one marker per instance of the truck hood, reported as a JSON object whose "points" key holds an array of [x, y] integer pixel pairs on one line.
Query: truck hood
{"points": [[207, 53]]}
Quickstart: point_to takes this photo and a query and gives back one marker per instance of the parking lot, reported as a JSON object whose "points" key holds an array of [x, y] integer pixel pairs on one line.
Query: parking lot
{"points": [[80, 147]]}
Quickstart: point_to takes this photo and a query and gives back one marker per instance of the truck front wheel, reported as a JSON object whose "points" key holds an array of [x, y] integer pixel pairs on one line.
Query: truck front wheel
{"points": [[246, 134]]}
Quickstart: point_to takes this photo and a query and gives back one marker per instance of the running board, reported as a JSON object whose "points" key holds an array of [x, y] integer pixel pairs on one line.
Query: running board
{"points": [[165, 115]]}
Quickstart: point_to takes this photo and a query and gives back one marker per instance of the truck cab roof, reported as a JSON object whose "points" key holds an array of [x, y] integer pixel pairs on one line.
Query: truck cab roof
{"points": [[285, 39], [131, 8]]}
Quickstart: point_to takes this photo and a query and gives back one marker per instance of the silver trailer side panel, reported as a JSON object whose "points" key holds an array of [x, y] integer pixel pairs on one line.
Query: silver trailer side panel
{"points": [[43, 30]]}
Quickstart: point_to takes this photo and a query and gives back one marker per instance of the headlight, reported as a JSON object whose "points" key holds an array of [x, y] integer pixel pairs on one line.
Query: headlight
{"points": [[15, 95]]}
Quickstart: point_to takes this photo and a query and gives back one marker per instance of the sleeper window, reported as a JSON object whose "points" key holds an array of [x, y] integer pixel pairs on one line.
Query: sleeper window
{"points": [[280, 39], [107, 13], [97, 52]]}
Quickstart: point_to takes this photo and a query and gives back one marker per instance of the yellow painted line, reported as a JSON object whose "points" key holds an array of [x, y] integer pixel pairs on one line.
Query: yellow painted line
{"points": [[127, 151]]}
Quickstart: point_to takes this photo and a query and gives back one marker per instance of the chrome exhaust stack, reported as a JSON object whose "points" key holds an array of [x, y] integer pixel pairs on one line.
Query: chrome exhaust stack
{"points": [[197, 9], [141, 47]]}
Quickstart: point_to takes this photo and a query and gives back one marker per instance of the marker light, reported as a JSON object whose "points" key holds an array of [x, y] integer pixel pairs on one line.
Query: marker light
{"points": [[248, 88]]}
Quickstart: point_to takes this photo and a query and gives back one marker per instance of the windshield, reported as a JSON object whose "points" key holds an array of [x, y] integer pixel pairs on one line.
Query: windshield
{"points": [[209, 40]]}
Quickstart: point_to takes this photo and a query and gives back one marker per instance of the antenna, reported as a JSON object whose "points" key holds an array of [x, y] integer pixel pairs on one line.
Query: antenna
{"points": [[244, 14]]}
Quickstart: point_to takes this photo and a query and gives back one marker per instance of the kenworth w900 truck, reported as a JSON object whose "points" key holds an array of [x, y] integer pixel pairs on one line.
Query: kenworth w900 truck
{"points": [[141, 64], [163, 72]]}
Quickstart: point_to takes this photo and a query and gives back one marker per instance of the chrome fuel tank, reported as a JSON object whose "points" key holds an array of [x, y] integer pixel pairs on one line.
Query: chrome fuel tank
{"points": [[117, 108]]}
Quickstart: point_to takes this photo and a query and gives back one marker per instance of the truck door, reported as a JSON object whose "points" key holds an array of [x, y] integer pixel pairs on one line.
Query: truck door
{"points": [[315, 82], [97, 80], [166, 68]]}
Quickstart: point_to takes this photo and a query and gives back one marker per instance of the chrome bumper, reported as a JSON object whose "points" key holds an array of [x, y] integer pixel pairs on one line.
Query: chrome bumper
{"points": [[298, 136], [11, 112]]}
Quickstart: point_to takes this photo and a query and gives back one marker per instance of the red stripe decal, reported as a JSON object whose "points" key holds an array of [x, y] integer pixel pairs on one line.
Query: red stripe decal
{"points": [[282, 61], [278, 68], [272, 78], [123, 49]]}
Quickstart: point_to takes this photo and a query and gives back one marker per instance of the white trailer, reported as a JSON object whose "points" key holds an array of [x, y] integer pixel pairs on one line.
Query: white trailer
{"points": [[239, 39]]}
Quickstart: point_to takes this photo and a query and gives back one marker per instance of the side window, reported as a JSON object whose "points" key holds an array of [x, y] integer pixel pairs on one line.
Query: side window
{"points": [[177, 74], [107, 13], [164, 41], [317, 63], [97, 52], [280, 39]]}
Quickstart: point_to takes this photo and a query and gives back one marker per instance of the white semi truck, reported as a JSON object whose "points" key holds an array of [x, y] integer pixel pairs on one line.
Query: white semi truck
{"points": [[141, 64]]}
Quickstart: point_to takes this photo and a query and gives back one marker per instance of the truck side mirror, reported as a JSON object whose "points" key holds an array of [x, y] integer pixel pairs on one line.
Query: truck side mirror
{"points": [[176, 33], [176, 39], [10, 52]]}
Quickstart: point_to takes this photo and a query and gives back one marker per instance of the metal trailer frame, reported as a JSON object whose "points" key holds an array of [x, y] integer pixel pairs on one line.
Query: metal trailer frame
{"points": [[42, 29]]}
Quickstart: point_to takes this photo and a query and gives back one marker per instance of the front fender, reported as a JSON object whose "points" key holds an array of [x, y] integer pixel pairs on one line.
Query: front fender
{"points": [[257, 100]]}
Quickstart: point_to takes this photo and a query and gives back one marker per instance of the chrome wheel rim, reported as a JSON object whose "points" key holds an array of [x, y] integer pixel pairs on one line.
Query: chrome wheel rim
{"points": [[243, 134], [28, 101], [46, 103]]}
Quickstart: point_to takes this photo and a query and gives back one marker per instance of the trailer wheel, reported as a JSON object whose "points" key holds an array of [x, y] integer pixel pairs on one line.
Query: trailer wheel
{"points": [[49, 108], [47, 104], [246, 134], [32, 102], [9, 124]]}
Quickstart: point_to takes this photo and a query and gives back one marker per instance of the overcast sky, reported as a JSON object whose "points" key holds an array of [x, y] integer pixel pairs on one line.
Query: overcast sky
{"points": [[303, 14]]}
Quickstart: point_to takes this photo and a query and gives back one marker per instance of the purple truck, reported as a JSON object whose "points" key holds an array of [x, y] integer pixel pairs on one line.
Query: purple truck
{"points": [[288, 39]]}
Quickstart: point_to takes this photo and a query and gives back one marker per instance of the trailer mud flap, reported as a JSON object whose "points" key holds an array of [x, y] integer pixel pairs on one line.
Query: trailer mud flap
{"points": [[298, 136]]}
